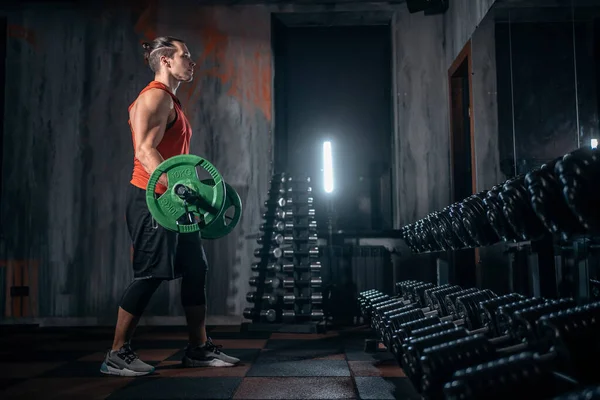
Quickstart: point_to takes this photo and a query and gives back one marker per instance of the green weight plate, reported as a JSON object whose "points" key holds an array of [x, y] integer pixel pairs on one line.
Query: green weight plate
{"points": [[205, 203], [224, 224]]}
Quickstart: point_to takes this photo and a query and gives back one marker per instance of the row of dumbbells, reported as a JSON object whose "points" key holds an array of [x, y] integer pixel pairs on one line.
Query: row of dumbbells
{"points": [[286, 316], [460, 343], [559, 198]]}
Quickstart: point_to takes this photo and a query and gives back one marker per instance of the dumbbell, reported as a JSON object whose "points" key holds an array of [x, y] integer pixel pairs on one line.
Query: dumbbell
{"points": [[508, 377], [407, 330], [588, 393], [391, 312], [390, 319], [406, 297], [410, 350], [421, 339], [366, 300], [370, 298], [367, 303], [567, 336], [461, 302], [442, 299], [465, 313], [428, 297]]}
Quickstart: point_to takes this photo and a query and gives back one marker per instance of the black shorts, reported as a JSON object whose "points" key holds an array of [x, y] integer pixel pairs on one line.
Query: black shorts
{"points": [[158, 252]]}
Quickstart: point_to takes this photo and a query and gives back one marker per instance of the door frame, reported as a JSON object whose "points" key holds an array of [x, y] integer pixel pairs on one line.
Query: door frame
{"points": [[465, 56]]}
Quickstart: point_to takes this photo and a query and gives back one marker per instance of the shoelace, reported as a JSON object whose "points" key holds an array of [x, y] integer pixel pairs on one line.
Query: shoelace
{"points": [[215, 348], [128, 354]]}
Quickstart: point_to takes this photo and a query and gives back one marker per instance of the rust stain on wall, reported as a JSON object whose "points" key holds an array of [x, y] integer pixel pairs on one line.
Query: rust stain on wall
{"points": [[21, 32], [248, 79], [145, 25]]}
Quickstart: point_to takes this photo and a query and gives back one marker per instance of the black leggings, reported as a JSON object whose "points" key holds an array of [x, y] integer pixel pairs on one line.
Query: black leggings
{"points": [[138, 293]]}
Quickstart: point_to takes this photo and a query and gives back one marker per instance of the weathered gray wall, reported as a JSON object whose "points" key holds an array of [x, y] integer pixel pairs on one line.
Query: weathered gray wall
{"points": [[487, 155], [71, 75], [424, 49], [68, 153]]}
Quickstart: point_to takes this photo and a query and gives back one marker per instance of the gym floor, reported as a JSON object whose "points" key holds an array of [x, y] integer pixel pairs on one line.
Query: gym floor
{"points": [[63, 363]]}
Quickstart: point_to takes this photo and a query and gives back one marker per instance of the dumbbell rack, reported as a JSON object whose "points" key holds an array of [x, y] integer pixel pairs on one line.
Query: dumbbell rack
{"points": [[288, 294], [458, 343], [546, 218]]}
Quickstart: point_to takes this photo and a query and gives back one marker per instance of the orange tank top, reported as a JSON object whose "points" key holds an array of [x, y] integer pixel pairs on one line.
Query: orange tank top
{"points": [[175, 141]]}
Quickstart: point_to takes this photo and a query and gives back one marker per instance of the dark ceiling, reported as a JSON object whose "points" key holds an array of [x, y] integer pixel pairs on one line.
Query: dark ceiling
{"points": [[295, 2]]}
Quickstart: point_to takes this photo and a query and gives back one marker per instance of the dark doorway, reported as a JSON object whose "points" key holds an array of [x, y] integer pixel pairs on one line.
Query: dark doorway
{"points": [[461, 140], [334, 84]]}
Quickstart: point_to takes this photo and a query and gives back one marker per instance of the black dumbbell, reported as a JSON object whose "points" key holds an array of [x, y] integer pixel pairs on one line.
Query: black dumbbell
{"points": [[588, 393], [433, 297], [400, 285], [466, 314], [515, 374], [460, 302], [411, 294], [375, 299], [368, 300], [578, 172], [508, 377], [567, 335], [412, 349], [489, 308], [406, 330], [486, 323], [445, 303], [547, 201]]}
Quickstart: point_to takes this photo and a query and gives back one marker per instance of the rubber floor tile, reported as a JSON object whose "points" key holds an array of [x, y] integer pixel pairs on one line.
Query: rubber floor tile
{"points": [[226, 343], [151, 388], [155, 354], [30, 339], [19, 370], [43, 356], [79, 369], [217, 335], [183, 336], [240, 344], [388, 369], [360, 355], [174, 369], [144, 354], [223, 328], [378, 388], [91, 346], [65, 388], [333, 344], [96, 357], [303, 336], [296, 388], [275, 355], [138, 344], [5, 383], [245, 355], [300, 368]]}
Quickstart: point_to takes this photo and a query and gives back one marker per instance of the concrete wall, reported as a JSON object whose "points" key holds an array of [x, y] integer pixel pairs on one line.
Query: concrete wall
{"points": [[494, 264], [424, 49], [67, 157], [71, 75]]}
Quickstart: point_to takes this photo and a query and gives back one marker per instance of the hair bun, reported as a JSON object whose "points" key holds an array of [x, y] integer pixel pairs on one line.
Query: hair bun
{"points": [[146, 46]]}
